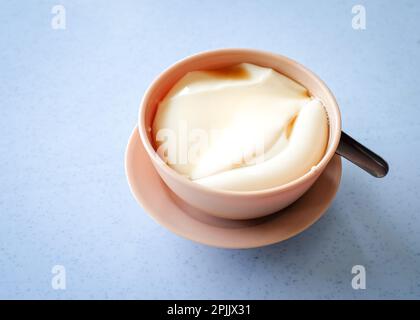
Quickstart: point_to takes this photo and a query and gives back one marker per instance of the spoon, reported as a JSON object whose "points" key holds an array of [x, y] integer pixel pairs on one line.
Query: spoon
{"points": [[362, 156]]}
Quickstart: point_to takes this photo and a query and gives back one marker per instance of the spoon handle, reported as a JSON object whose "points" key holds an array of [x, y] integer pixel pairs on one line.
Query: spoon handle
{"points": [[362, 156]]}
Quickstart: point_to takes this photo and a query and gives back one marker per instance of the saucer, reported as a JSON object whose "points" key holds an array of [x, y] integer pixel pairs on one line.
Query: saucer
{"points": [[179, 217]]}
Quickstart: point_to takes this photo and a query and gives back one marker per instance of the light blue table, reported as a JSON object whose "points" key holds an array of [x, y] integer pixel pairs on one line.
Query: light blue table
{"points": [[68, 103]]}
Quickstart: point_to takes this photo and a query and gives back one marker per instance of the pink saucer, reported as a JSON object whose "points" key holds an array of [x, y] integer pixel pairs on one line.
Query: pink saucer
{"points": [[179, 217]]}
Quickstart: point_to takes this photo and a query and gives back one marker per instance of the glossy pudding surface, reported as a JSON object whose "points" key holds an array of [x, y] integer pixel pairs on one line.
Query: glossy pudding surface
{"points": [[241, 128]]}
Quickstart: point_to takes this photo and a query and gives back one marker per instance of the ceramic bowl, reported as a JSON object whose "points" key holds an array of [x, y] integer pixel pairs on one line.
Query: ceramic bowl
{"points": [[234, 204]]}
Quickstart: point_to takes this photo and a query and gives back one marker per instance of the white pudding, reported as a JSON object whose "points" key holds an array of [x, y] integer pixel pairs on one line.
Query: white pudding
{"points": [[242, 128]]}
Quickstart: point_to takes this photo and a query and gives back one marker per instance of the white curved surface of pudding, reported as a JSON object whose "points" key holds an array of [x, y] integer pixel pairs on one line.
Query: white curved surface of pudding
{"points": [[242, 128]]}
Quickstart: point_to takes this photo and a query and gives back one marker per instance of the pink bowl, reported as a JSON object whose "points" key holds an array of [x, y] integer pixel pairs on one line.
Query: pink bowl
{"points": [[234, 204]]}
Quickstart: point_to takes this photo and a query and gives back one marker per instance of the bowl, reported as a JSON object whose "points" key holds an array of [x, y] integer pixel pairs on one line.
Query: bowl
{"points": [[226, 204]]}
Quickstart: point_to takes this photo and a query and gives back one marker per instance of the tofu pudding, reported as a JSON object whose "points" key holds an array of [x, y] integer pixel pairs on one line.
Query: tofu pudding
{"points": [[241, 128]]}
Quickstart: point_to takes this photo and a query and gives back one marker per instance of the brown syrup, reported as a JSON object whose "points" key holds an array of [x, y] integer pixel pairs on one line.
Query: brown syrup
{"points": [[236, 72]]}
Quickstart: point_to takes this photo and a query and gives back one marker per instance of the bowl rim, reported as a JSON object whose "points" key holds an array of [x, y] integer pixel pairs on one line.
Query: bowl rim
{"points": [[315, 170]]}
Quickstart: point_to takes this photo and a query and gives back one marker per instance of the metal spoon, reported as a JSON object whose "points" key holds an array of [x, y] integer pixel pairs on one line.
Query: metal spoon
{"points": [[362, 156]]}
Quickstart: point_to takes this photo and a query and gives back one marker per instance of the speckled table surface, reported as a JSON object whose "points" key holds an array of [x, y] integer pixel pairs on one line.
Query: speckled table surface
{"points": [[68, 103]]}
